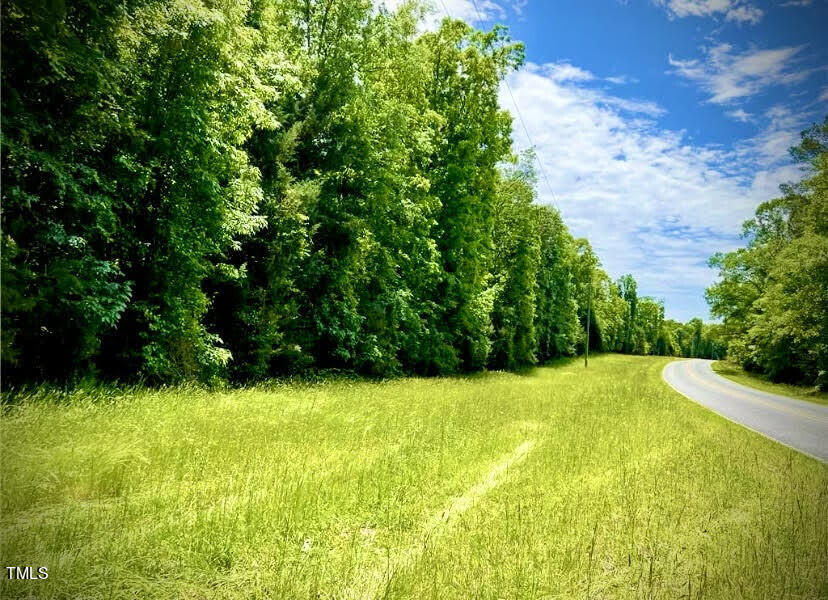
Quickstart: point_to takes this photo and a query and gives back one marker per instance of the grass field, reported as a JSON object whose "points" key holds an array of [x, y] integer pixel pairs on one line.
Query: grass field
{"points": [[739, 375], [557, 483]]}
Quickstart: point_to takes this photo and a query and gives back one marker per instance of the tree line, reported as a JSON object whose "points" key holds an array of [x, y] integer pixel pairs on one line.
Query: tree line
{"points": [[235, 190], [772, 295]]}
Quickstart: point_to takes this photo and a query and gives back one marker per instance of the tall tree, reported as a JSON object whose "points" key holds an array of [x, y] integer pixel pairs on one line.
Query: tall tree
{"points": [[628, 289], [195, 101], [63, 287], [475, 135], [556, 315], [772, 294], [211, 188], [588, 279], [515, 266]]}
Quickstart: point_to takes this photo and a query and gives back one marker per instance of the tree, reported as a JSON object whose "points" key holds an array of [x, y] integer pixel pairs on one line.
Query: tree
{"points": [[194, 105], [628, 289], [515, 264], [650, 320], [556, 312], [474, 137], [242, 189], [772, 293], [63, 287], [586, 269]]}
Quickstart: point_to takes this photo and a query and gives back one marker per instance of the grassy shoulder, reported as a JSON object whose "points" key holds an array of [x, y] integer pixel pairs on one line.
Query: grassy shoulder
{"points": [[557, 482], [736, 373]]}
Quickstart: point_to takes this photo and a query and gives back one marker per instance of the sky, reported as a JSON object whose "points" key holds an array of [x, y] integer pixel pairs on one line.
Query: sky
{"points": [[660, 125]]}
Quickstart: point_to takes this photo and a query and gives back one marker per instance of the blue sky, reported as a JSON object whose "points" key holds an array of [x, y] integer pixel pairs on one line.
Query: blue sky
{"points": [[661, 124]]}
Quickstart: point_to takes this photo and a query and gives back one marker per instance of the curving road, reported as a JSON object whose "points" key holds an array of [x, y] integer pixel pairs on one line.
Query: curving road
{"points": [[795, 423]]}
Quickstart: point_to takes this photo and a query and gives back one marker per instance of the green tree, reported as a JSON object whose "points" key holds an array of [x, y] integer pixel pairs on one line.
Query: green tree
{"points": [[63, 287], [650, 320], [557, 327], [515, 263], [628, 289], [588, 274], [771, 294], [473, 137], [195, 194], [212, 188]]}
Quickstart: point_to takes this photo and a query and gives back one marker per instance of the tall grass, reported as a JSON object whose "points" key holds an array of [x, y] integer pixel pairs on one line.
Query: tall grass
{"points": [[554, 483]]}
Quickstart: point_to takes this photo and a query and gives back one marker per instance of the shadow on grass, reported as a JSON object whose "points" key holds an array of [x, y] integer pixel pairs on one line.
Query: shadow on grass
{"points": [[90, 391]]}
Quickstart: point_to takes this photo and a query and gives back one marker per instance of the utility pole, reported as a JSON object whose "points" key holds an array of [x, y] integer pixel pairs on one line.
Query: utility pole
{"points": [[589, 310]]}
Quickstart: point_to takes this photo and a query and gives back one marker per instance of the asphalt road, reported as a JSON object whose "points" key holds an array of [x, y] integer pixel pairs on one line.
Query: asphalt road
{"points": [[796, 423]]}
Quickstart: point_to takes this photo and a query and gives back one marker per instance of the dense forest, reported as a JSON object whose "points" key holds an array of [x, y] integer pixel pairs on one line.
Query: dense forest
{"points": [[772, 295], [234, 190]]}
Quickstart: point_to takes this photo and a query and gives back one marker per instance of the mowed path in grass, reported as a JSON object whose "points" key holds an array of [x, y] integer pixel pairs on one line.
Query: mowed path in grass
{"points": [[554, 483]]}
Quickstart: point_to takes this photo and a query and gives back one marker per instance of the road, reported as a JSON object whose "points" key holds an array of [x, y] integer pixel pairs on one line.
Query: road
{"points": [[796, 423]]}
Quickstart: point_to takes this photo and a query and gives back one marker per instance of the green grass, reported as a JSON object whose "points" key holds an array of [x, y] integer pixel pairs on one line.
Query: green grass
{"points": [[556, 483], [739, 375]]}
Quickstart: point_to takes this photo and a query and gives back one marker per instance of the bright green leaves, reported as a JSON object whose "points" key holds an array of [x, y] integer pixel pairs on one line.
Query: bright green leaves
{"points": [[557, 328], [466, 69], [515, 265], [773, 293], [124, 132], [200, 100], [204, 190]]}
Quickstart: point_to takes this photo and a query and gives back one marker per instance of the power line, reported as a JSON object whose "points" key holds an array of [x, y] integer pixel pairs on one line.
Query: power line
{"points": [[519, 115]]}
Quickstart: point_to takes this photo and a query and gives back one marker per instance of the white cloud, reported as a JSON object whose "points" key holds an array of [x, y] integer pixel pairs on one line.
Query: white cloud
{"points": [[780, 133], [645, 107], [740, 115], [564, 71], [517, 6], [801, 3], [653, 203], [728, 75], [474, 12], [823, 95], [621, 79], [471, 12], [739, 11]]}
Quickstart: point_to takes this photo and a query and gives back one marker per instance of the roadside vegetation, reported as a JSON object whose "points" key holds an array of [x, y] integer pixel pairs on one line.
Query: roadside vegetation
{"points": [[611, 485], [200, 198], [772, 295], [232, 191], [761, 382]]}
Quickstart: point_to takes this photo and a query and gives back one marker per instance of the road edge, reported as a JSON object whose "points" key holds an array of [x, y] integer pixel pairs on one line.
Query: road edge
{"points": [[726, 418], [758, 389]]}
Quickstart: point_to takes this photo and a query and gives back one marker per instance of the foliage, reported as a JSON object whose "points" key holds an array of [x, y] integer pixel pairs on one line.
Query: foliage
{"points": [[557, 328], [63, 287], [772, 294], [124, 179], [219, 190], [696, 339], [514, 269], [474, 136]]}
